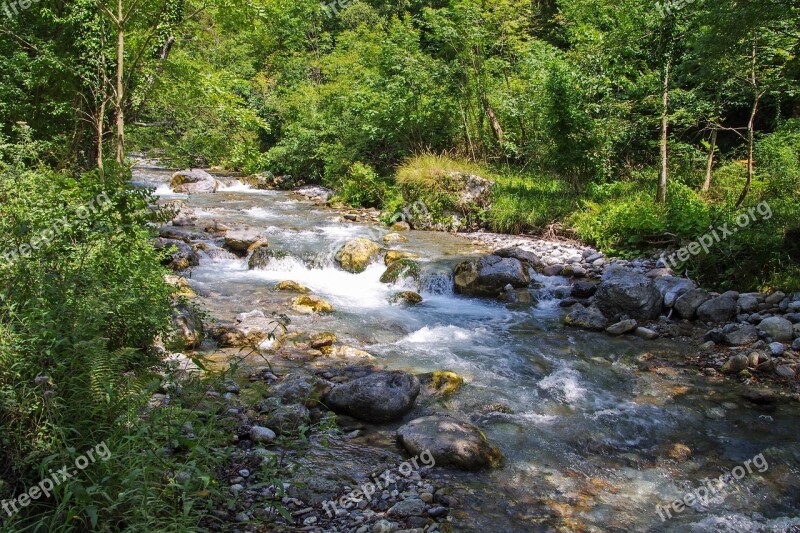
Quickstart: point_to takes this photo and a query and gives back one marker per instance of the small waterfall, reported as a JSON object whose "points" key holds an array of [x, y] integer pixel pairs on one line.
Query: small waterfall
{"points": [[438, 283]]}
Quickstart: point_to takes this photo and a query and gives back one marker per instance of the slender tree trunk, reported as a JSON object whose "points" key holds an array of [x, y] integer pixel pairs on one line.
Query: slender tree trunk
{"points": [[493, 121], [710, 166], [661, 194], [120, 101], [751, 133]]}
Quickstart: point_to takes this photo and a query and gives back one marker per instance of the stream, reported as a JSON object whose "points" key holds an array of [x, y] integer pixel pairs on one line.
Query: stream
{"points": [[603, 429]]}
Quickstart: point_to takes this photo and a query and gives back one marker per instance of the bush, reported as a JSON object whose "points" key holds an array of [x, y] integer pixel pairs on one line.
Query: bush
{"points": [[362, 187]]}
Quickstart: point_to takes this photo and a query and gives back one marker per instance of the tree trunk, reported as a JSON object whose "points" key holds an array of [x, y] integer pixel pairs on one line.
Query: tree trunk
{"points": [[496, 128], [661, 194], [710, 166], [750, 133], [120, 100]]}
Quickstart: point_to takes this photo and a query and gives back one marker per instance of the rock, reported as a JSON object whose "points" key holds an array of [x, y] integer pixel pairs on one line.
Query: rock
{"points": [[378, 397], [687, 304], [400, 226], [623, 292], [450, 442], [747, 303], [659, 273], [292, 286], [315, 193], [583, 289], [785, 371], [261, 434], [356, 255], [193, 182], [645, 333], [760, 396], [321, 340], [672, 288], [735, 364], [185, 217], [300, 388], [401, 270], [308, 304], [586, 317], [405, 298], [287, 419], [717, 310], [778, 328], [776, 349], [741, 336], [346, 352], [394, 255], [524, 256], [406, 508], [489, 275], [187, 325], [394, 237], [796, 345], [469, 197], [622, 327], [181, 255], [574, 270], [775, 298], [384, 526], [262, 257], [240, 241], [441, 383], [553, 270]]}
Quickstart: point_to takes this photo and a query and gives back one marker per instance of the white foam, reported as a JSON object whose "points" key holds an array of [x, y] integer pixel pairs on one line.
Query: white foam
{"points": [[442, 334], [565, 385], [244, 188]]}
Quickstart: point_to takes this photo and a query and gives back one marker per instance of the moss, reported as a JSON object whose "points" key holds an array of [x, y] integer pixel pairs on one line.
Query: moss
{"points": [[402, 268]]}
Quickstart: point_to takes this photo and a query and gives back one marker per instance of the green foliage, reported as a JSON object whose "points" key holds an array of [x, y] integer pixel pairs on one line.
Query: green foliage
{"points": [[523, 203], [363, 187]]}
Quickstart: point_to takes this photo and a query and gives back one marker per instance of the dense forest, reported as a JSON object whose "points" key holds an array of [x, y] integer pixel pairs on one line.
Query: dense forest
{"points": [[632, 126]]}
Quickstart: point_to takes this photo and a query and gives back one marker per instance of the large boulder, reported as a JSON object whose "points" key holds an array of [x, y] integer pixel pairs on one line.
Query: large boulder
{"points": [[450, 442], [180, 255], [242, 241], [489, 275], [525, 256], [686, 305], [741, 335], [356, 255], [378, 397], [187, 325], [719, 309], [778, 328], [622, 292], [586, 317], [400, 270], [672, 288], [193, 182]]}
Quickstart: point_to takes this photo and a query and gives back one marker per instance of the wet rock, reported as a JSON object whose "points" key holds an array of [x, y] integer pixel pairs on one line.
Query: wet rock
{"points": [[181, 255], [321, 340], [261, 434], [621, 327], [240, 241], [394, 237], [720, 309], [193, 182], [356, 255], [261, 257], [583, 289], [346, 352], [450, 442], [188, 326], [553, 270], [401, 270], [315, 193], [300, 388], [687, 304], [778, 328], [735, 364], [489, 275], [624, 292], [741, 335], [308, 304], [292, 286], [672, 288], [400, 226], [441, 383], [405, 298], [379, 397], [796, 345], [574, 271], [287, 419], [520, 254], [760, 396], [394, 255], [645, 333], [586, 317]]}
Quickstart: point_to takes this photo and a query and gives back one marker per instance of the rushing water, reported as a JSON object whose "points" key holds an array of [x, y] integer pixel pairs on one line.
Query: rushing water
{"points": [[602, 430]]}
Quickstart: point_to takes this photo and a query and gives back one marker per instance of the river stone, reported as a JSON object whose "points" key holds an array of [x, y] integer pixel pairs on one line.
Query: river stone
{"points": [[187, 325], [300, 388], [356, 255], [489, 275], [741, 335], [379, 397], [686, 305], [672, 288], [553, 270], [583, 289], [400, 270], [292, 286], [441, 383], [261, 257], [193, 182], [405, 298], [394, 255], [239, 241], [796, 345], [623, 292], [522, 255], [400, 226], [287, 419], [717, 310], [450, 442], [735, 364], [778, 328], [308, 304], [346, 352], [776, 348], [785, 371], [181, 256], [622, 327], [574, 271], [261, 434], [406, 508], [775, 298], [586, 317], [645, 333], [747, 303], [320, 340]]}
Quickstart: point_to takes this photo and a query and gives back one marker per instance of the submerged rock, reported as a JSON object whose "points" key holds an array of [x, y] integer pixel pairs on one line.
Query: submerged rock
{"points": [[394, 237], [356, 255], [261, 257], [489, 275], [450, 441], [379, 397]]}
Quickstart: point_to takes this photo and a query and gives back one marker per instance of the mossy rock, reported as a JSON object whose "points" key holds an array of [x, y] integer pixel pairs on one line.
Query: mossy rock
{"points": [[441, 383], [406, 297], [401, 269], [261, 257], [394, 237], [308, 304], [395, 255], [356, 255], [292, 286]]}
